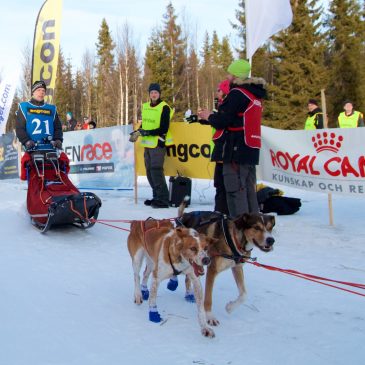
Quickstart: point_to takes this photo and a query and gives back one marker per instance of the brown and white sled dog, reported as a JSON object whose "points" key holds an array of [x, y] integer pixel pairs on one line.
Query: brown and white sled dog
{"points": [[235, 239], [167, 251]]}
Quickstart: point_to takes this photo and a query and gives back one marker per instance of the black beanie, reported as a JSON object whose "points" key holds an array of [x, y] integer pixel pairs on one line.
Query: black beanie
{"points": [[37, 85], [313, 101], [154, 86]]}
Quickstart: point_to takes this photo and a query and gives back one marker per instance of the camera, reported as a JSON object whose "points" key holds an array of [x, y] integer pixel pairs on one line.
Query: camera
{"points": [[190, 117]]}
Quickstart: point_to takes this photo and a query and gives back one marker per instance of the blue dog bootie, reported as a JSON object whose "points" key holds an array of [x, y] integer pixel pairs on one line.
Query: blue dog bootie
{"points": [[173, 283], [189, 296], [154, 315], [145, 292]]}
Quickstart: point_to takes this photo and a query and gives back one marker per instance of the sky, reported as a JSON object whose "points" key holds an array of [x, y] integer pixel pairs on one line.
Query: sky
{"points": [[81, 22], [67, 295]]}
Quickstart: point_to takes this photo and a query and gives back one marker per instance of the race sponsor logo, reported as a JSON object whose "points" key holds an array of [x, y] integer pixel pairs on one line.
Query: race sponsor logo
{"points": [[39, 111]]}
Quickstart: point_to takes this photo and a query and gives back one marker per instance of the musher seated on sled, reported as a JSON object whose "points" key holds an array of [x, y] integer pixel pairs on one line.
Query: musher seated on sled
{"points": [[38, 121], [52, 199]]}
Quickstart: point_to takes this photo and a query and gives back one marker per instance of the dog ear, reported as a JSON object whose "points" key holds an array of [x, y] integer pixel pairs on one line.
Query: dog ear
{"points": [[269, 221], [180, 234], [273, 220], [180, 231], [211, 240], [242, 221]]}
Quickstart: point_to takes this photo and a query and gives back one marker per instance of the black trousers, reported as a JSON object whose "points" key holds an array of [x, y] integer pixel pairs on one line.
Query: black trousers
{"points": [[240, 184], [153, 160], [220, 198]]}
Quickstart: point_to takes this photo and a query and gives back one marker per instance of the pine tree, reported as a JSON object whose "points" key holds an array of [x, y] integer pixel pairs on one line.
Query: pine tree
{"points": [[78, 96], [346, 55], [206, 80], [240, 27], [107, 79], [226, 57], [192, 95], [215, 50], [156, 64], [299, 72], [165, 61], [64, 87]]}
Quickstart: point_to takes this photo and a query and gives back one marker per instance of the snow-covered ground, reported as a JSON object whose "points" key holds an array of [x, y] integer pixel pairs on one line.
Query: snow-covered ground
{"points": [[67, 296]]}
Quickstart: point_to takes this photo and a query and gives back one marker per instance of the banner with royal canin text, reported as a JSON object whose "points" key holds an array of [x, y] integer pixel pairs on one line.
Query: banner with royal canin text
{"points": [[325, 160]]}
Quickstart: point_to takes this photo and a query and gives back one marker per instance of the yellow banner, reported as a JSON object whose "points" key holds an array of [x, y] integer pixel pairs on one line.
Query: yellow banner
{"points": [[190, 154], [46, 45]]}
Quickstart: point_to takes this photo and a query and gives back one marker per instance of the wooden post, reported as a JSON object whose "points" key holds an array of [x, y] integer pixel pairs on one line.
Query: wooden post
{"points": [[136, 125], [325, 124]]}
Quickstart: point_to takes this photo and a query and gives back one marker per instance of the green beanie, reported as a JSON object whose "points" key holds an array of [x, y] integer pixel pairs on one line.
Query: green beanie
{"points": [[239, 68]]}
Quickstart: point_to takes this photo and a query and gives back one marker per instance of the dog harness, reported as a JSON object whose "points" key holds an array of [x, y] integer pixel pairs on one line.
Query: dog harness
{"points": [[236, 256]]}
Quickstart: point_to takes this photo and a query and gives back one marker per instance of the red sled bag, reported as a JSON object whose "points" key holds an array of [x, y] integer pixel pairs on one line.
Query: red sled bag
{"points": [[52, 199]]}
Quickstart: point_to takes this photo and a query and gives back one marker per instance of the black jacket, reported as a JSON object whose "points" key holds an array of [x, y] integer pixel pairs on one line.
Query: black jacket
{"points": [[235, 148], [20, 125]]}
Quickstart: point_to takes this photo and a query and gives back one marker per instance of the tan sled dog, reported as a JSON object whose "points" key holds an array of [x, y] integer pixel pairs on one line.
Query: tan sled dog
{"points": [[168, 251], [235, 239]]}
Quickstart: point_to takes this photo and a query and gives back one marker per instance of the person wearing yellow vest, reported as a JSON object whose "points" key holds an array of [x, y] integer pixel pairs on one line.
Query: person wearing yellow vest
{"points": [[156, 116], [315, 116], [350, 118]]}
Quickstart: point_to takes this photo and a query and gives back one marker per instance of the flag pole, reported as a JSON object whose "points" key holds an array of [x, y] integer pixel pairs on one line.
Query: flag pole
{"points": [[325, 125], [249, 58]]}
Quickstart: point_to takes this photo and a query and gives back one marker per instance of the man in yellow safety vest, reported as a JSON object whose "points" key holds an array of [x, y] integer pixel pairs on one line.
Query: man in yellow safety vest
{"points": [[350, 118], [315, 116], [156, 116]]}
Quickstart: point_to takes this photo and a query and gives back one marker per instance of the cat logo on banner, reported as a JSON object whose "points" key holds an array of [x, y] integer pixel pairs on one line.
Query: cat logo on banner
{"points": [[46, 45]]}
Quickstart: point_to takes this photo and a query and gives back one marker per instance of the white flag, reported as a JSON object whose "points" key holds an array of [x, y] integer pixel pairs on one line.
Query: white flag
{"points": [[7, 91], [264, 18]]}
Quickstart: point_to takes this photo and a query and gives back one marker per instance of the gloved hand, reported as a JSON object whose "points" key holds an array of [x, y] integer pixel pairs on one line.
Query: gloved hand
{"points": [[143, 132], [29, 145], [57, 144], [190, 117], [134, 136]]}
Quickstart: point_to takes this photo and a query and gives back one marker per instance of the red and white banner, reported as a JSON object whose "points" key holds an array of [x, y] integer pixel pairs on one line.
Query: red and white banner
{"points": [[326, 160]]}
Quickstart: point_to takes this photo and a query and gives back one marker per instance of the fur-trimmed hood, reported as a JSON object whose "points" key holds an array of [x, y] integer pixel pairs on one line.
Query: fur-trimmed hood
{"points": [[255, 85]]}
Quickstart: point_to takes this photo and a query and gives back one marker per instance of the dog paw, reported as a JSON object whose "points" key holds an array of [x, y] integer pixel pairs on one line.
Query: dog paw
{"points": [[190, 298], [230, 306], [138, 299], [155, 317], [213, 321], [145, 294], [172, 284], [208, 332]]}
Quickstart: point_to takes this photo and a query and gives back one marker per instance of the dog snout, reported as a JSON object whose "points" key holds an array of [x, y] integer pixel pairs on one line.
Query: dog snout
{"points": [[270, 241], [206, 261]]}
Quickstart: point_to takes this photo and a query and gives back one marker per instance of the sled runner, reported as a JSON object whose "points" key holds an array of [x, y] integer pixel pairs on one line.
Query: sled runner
{"points": [[52, 199]]}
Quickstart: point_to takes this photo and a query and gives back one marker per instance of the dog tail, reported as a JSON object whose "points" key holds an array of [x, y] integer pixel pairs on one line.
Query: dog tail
{"points": [[183, 205]]}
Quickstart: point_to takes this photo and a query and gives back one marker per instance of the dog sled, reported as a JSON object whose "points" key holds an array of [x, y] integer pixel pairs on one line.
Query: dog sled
{"points": [[52, 199]]}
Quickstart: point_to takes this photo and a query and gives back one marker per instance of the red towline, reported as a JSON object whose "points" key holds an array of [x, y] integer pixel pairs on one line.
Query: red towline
{"points": [[314, 278]]}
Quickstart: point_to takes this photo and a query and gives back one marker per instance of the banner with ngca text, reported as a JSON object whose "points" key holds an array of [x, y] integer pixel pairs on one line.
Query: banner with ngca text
{"points": [[326, 160]]}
